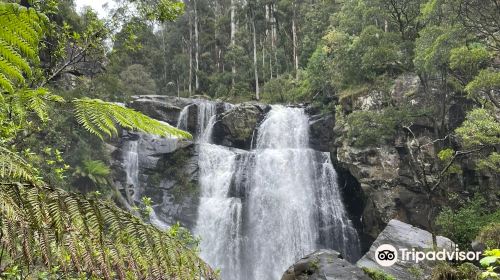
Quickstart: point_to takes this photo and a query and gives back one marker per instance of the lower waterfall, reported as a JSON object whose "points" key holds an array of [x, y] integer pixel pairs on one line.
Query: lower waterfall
{"points": [[262, 210]]}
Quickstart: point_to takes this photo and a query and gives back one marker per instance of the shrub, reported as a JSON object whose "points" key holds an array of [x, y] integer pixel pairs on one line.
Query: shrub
{"points": [[490, 235], [464, 224], [465, 271]]}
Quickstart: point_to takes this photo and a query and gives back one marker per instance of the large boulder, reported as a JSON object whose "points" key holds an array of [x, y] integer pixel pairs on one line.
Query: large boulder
{"points": [[173, 186], [160, 107], [405, 236], [324, 265], [237, 126], [321, 137]]}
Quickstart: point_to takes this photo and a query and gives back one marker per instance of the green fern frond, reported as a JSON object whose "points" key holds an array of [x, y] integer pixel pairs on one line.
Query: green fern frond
{"points": [[14, 167], [100, 118], [20, 33], [89, 235]]}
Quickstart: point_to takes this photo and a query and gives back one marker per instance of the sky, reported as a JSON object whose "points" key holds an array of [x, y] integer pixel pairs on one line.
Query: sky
{"points": [[95, 4]]}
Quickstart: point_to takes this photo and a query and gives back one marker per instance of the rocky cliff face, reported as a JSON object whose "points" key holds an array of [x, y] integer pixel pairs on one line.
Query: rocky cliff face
{"points": [[384, 172]]}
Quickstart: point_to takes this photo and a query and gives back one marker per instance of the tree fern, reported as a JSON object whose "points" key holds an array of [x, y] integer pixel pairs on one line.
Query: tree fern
{"points": [[81, 234], [49, 227], [19, 38], [14, 167], [100, 118]]}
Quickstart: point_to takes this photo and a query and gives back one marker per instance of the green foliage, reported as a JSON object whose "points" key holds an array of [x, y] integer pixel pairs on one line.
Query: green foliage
{"points": [[376, 274], [368, 128], [469, 60], [280, 90], [433, 48], [485, 86], [137, 81], [100, 118], [13, 166], [464, 271], [47, 229], [491, 262], [480, 128], [94, 170], [490, 235], [19, 37], [463, 225], [446, 154], [379, 51], [85, 234], [162, 10]]}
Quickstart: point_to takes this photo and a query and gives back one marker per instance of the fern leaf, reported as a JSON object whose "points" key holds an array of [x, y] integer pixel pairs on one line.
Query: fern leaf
{"points": [[19, 38], [100, 118], [14, 167]]}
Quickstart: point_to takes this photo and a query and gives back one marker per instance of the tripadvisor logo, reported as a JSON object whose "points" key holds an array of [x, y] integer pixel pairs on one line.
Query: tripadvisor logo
{"points": [[388, 255]]}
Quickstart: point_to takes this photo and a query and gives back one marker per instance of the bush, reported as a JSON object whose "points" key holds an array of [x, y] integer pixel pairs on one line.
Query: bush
{"points": [[463, 225], [490, 235], [368, 128], [284, 89], [465, 271]]}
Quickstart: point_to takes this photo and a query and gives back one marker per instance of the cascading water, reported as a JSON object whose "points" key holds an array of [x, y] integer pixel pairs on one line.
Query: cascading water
{"points": [[262, 210], [182, 121], [131, 166], [133, 188]]}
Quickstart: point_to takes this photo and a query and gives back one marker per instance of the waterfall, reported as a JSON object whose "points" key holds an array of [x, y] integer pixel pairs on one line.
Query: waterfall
{"points": [[182, 121], [131, 166], [336, 229], [206, 110], [262, 210]]}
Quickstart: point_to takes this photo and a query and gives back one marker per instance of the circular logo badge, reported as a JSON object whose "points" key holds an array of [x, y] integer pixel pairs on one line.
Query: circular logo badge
{"points": [[386, 255]]}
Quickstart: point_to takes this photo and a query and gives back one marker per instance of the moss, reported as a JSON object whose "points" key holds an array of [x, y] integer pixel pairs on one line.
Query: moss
{"points": [[376, 274], [416, 271]]}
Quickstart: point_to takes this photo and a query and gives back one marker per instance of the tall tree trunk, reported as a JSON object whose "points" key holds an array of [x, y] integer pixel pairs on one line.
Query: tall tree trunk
{"points": [[263, 60], [190, 54], [256, 72], [233, 40], [274, 35], [164, 55], [196, 46], [217, 52], [178, 88], [294, 38]]}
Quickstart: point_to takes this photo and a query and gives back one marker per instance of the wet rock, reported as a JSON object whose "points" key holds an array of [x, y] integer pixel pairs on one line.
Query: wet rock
{"points": [[405, 236], [324, 265], [237, 126], [321, 135], [163, 108]]}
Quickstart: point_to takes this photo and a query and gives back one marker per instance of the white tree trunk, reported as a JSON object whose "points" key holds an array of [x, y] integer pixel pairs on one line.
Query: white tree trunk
{"points": [[164, 55], [294, 38], [196, 46], [190, 49], [233, 39], [256, 72]]}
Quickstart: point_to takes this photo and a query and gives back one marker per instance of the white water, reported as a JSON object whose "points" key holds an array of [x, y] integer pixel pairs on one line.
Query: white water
{"points": [[260, 211], [134, 189], [131, 166], [182, 121]]}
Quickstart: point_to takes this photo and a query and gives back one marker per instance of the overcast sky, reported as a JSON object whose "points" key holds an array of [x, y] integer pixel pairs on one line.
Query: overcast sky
{"points": [[95, 4]]}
